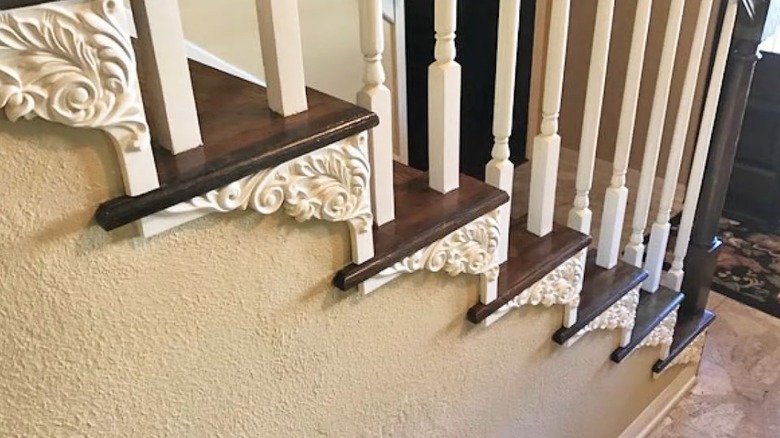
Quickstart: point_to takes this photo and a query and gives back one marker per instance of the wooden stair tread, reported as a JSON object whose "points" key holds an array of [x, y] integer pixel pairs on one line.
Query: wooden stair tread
{"points": [[530, 258], [688, 328], [241, 136], [601, 289], [16, 4], [653, 309], [423, 216]]}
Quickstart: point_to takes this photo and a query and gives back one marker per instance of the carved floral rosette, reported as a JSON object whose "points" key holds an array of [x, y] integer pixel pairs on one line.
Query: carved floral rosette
{"points": [[330, 184], [72, 64], [562, 286], [468, 250], [622, 315]]}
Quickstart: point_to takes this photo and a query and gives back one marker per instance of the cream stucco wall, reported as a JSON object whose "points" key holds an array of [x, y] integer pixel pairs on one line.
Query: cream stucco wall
{"points": [[228, 326]]}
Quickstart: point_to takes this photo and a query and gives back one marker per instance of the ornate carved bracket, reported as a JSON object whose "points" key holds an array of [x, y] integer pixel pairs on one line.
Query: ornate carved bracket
{"points": [[471, 249], [621, 316], [691, 354], [73, 64], [663, 335], [330, 184], [562, 286]]}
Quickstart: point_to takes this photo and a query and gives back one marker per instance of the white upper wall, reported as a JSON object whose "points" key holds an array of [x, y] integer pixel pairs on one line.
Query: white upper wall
{"points": [[331, 44]]}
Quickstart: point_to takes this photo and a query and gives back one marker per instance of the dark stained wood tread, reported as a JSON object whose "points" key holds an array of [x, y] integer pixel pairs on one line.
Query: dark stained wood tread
{"points": [[688, 328], [423, 216], [241, 136], [15, 4], [652, 310], [600, 290], [530, 258]]}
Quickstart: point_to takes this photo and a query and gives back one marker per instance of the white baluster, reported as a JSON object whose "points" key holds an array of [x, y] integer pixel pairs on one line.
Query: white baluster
{"points": [[580, 215], [165, 75], [547, 144], [635, 249], [674, 278], [376, 97], [280, 40], [444, 82], [616, 196], [659, 236], [500, 171]]}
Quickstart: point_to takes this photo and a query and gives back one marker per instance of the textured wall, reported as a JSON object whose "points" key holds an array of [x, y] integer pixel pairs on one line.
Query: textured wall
{"points": [[229, 326]]}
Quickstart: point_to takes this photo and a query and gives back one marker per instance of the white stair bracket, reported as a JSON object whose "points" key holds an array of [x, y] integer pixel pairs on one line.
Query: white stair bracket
{"points": [[662, 336], [329, 184], [691, 355], [72, 63], [165, 75], [562, 286], [472, 249], [622, 316]]}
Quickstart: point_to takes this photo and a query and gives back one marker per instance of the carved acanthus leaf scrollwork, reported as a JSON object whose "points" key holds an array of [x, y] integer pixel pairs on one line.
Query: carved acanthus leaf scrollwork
{"points": [[622, 315], [562, 286], [469, 250], [72, 64], [663, 334], [330, 184]]}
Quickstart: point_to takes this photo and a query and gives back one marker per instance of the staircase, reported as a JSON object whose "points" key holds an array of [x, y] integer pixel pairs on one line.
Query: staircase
{"points": [[193, 141]]}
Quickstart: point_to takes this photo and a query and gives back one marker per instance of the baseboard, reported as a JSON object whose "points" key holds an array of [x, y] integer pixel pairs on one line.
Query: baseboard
{"points": [[652, 416], [197, 53]]}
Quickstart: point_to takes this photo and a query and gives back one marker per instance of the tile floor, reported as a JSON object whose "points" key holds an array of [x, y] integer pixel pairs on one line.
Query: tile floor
{"points": [[738, 392]]}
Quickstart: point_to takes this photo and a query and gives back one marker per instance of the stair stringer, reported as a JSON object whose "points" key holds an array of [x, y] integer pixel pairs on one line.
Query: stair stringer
{"points": [[329, 184], [73, 63], [561, 286], [620, 316], [691, 355], [472, 250]]}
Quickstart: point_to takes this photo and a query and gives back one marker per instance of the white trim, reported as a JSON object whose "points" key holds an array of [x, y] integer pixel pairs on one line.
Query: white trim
{"points": [[657, 410], [388, 10], [203, 56], [400, 85]]}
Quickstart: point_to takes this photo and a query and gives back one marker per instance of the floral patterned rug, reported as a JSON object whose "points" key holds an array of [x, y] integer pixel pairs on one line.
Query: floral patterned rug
{"points": [[749, 267]]}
